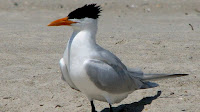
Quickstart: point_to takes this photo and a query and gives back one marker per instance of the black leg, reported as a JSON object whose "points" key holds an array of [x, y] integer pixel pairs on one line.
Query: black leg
{"points": [[111, 109], [93, 107]]}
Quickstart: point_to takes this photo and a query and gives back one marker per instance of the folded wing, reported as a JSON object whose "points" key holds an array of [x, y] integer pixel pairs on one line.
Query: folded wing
{"points": [[111, 78]]}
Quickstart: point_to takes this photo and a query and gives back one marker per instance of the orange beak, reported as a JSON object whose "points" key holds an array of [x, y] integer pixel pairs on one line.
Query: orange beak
{"points": [[62, 21]]}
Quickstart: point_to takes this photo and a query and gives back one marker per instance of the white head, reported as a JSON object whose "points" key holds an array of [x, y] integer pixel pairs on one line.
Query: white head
{"points": [[85, 23]]}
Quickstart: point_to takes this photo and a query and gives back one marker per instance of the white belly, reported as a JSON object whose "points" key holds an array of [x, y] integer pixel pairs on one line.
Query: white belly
{"points": [[79, 49], [86, 86], [81, 79]]}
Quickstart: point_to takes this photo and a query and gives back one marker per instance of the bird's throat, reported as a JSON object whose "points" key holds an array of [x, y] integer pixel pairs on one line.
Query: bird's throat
{"points": [[81, 40], [69, 49]]}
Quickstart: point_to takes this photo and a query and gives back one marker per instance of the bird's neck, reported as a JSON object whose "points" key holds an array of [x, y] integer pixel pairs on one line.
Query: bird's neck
{"points": [[81, 41], [85, 34]]}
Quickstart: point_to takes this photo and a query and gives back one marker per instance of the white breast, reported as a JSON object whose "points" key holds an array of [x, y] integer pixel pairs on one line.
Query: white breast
{"points": [[81, 47]]}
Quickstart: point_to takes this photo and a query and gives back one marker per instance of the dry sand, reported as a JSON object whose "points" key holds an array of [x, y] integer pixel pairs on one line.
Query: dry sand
{"points": [[152, 35]]}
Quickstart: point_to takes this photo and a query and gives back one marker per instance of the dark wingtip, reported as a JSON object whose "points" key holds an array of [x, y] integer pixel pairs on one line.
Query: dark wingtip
{"points": [[180, 75]]}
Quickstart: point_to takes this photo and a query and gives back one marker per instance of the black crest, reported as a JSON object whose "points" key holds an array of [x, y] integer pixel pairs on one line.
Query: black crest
{"points": [[90, 11]]}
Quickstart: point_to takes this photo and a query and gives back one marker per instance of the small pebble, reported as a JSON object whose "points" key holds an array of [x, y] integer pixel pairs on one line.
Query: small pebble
{"points": [[180, 98], [61, 6], [119, 42], [147, 10], [58, 106], [132, 6], [16, 4], [79, 105], [7, 97]]}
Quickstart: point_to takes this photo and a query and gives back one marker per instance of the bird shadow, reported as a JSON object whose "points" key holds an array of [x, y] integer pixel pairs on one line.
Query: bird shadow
{"points": [[135, 106]]}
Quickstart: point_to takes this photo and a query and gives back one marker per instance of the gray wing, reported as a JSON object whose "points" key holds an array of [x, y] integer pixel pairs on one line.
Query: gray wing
{"points": [[110, 77], [110, 58], [65, 74]]}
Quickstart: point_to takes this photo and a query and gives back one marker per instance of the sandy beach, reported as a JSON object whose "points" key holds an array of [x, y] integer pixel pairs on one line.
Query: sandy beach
{"points": [[161, 36]]}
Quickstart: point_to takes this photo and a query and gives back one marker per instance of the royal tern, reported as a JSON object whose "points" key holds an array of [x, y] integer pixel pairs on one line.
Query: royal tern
{"points": [[94, 71]]}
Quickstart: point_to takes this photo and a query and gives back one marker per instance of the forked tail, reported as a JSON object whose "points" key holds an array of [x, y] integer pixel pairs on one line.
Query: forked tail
{"points": [[160, 76], [148, 77]]}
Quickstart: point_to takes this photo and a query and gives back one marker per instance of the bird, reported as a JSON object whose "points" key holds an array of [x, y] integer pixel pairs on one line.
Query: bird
{"points": [[96, 72]]}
